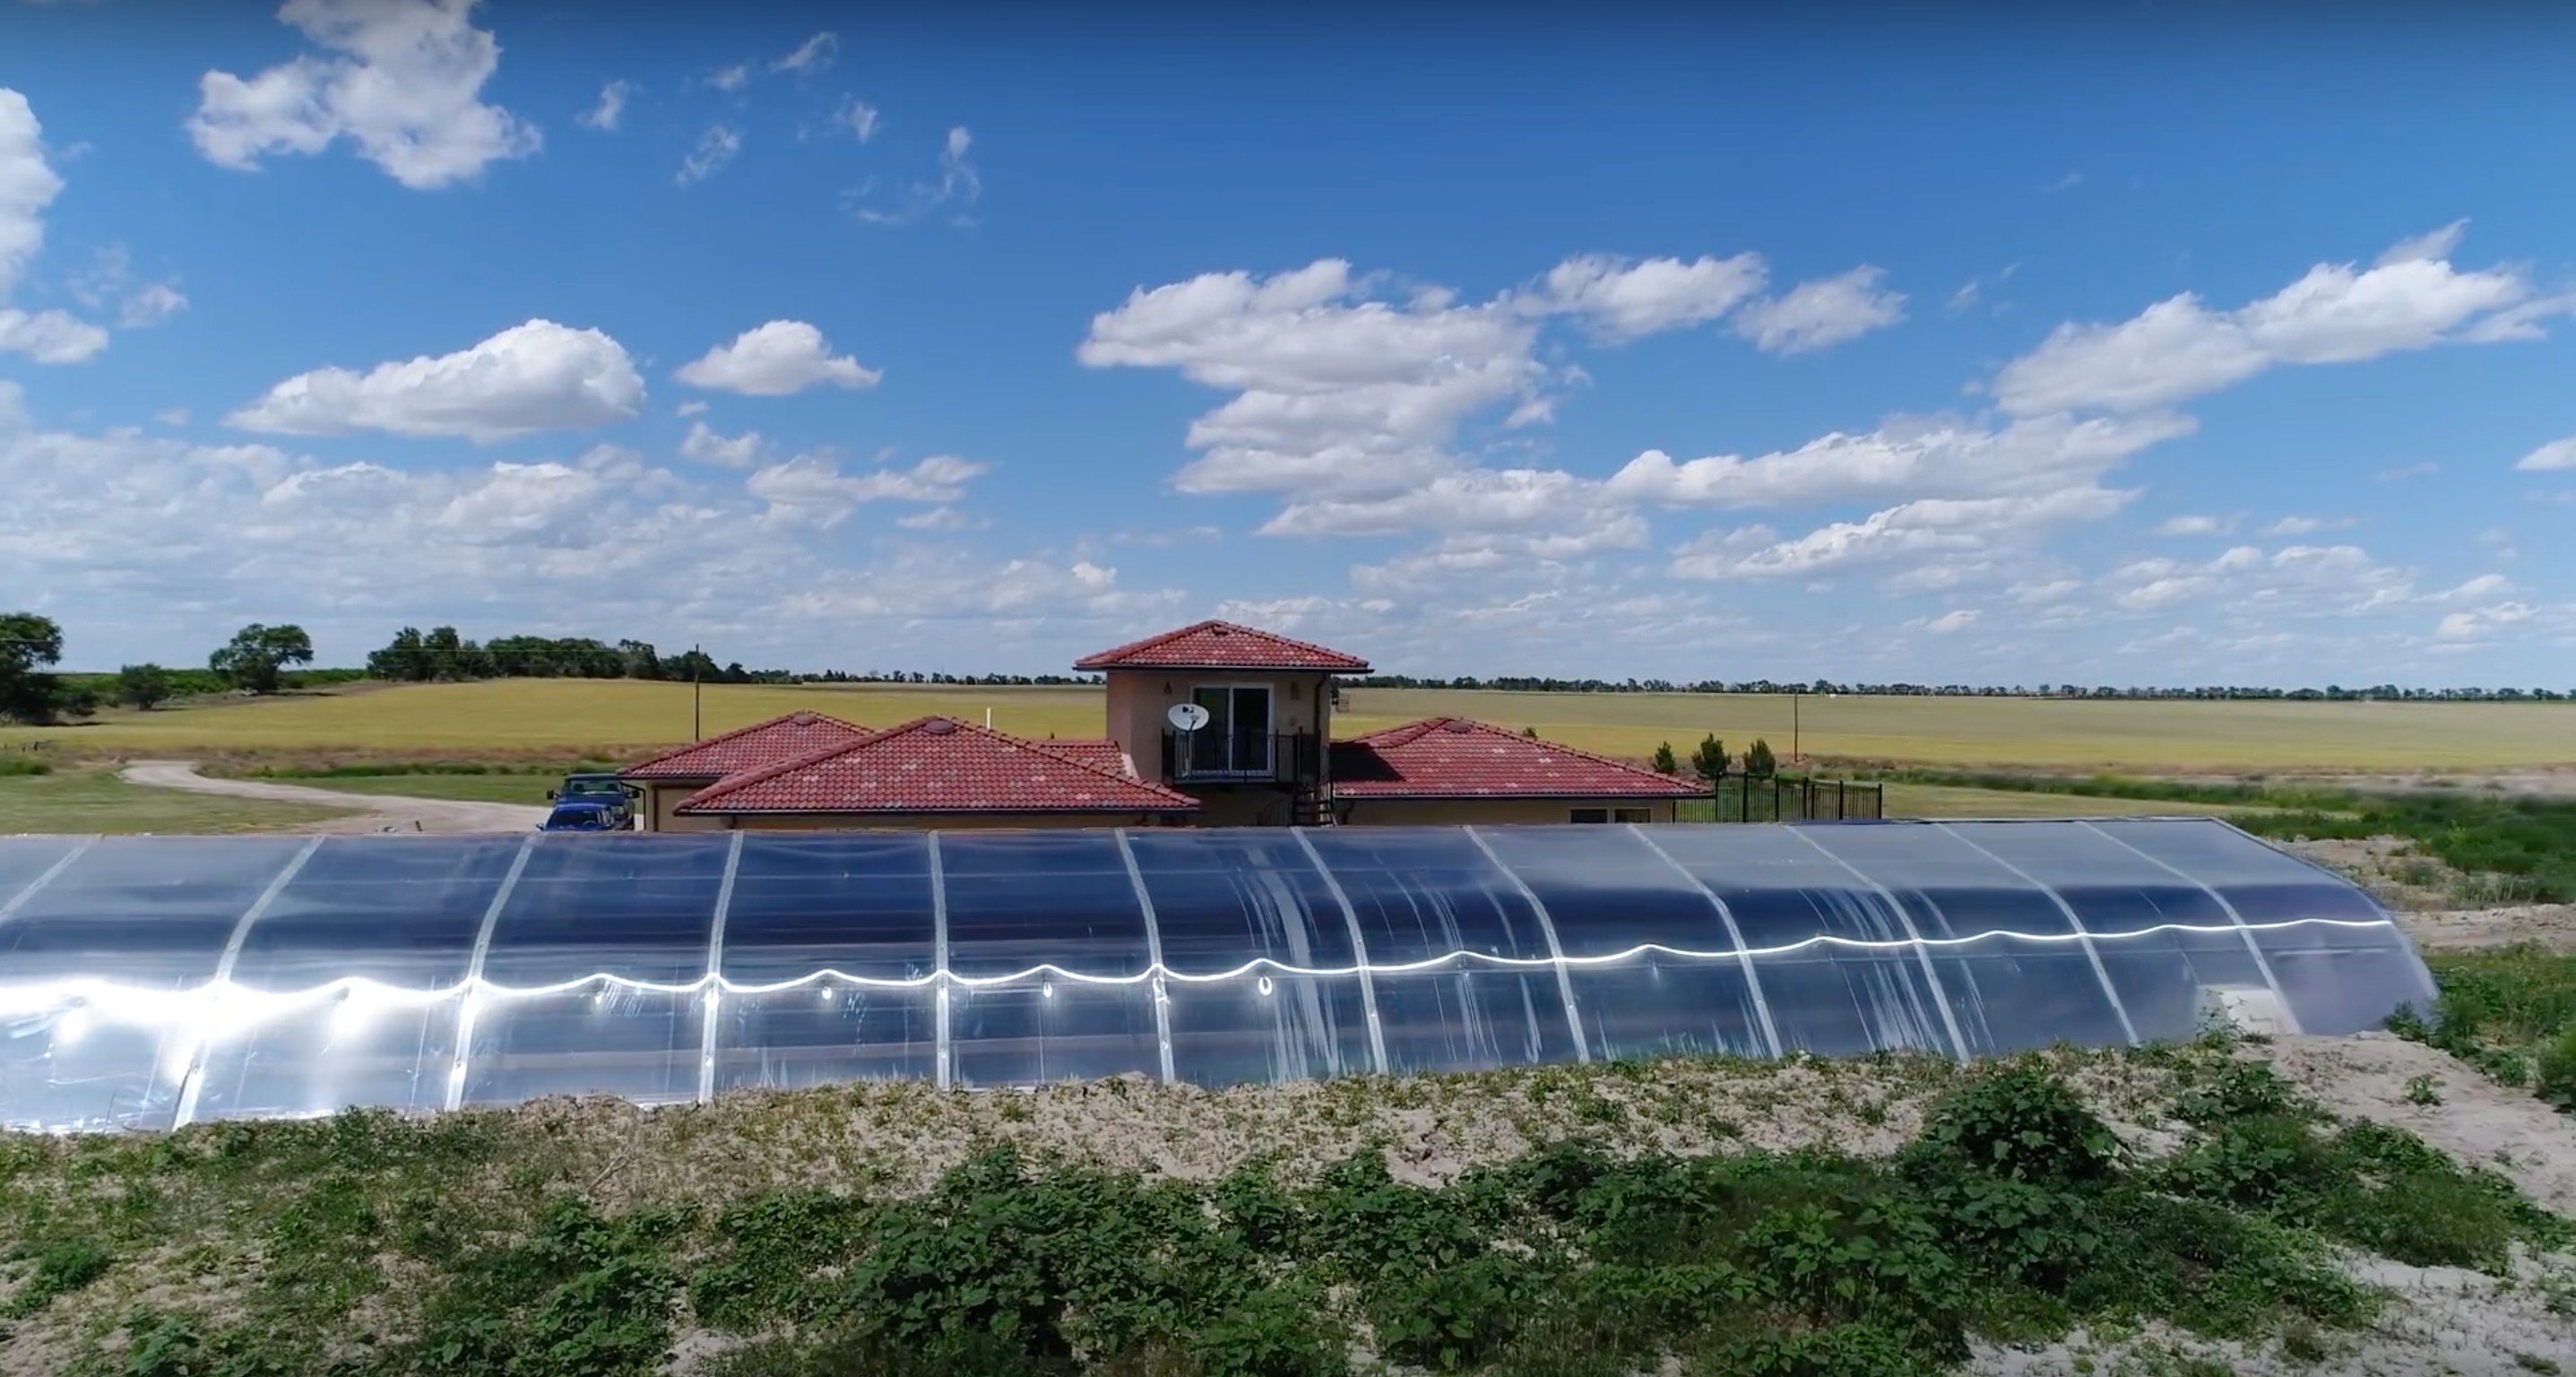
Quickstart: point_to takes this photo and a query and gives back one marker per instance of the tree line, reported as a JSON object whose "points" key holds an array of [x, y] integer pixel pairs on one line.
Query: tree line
{"points": [[417, 656], [255, 660], [2331, 693]]}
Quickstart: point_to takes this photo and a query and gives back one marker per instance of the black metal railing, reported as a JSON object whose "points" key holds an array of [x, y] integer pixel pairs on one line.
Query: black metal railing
{"points": [[1783, 799], [1243, 757]]}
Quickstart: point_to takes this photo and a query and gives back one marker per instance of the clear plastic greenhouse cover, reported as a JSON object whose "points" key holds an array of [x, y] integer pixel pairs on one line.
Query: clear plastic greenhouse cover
{"points": [[151, 982]]}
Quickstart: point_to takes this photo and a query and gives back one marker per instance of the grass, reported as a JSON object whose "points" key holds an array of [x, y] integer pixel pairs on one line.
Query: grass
{"points": [[2511, 1013], [82, 800], [567, 1239], [1944, 801], [622, 718], [2518, 850], [496, 787]]}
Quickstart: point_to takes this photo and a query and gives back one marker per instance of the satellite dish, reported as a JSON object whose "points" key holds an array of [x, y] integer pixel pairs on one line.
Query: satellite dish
{"points": [[1188, 717]]}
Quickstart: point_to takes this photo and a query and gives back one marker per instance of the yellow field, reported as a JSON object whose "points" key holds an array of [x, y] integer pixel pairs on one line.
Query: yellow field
{"points": [[506, 717]]}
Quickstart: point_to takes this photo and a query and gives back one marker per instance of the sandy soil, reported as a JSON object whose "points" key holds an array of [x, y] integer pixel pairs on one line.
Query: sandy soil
{"points": [[369, 812]]}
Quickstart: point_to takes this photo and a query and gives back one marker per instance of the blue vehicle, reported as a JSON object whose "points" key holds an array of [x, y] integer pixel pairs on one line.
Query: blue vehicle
{"points": [[577, 815]]}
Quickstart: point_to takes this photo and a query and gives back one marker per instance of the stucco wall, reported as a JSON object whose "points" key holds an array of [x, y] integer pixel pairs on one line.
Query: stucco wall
{"points": [[1139, 698], [1433, 812], [661, 798]]}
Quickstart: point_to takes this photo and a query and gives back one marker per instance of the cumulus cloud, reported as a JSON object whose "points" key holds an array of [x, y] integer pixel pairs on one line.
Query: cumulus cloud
{"points": [[1911, 456], [2192, 525], [611, 109], [1930, 529], [28, 184], [1338, 393], [1622, 300], [2180, 348], [732, 78], [49, 336], [715, 148], [533, 377], [705, 446], [775, 360], [1949, 623], [2472, 624], [1823, 313], [2295, 525], [811, 490], [2336, 579], [2558, 456], [942, 519], [400, 79], [110, 285]]}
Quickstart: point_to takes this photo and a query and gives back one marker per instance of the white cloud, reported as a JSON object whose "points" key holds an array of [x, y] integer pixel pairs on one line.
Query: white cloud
{"points": [[957, 187], [2482, 622], [528, 378], [1821, 314], [403, 81], [811, 490], [1624, 301], [857, 116], [1948, 623], [2404, 472], [1909, 456], [2483, 586], [110, 284], [2068, 182], [611, 108], [716, 147], [690, 408], [171, 415], [2191, 526], [732, 78], [1338, 394], [1929, 530], [815, 54], [942, 519], [2431, 246], [2296, 525], [705, 446], [2043, 592], [2180, 348], [27, 185], [52, 337], [774, 360], [2332, 580], [2558, 456], [2499, 540]]}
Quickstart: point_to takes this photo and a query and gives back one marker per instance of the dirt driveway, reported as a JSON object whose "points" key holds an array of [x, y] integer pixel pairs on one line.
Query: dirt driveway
{"points": [[368, 812]]}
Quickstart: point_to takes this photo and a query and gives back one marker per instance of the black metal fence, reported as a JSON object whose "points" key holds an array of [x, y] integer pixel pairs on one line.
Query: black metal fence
{"points": [[1782, 799], [1214, 757]]}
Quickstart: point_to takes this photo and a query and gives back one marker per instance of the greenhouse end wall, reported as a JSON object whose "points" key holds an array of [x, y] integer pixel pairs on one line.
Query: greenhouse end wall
{"points": [[153, 982]]}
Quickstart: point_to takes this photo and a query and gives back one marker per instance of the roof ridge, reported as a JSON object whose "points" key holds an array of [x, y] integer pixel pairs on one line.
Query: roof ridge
{"points": [[736, 783], [720, 738], [1491, 729], [1104, 659]]}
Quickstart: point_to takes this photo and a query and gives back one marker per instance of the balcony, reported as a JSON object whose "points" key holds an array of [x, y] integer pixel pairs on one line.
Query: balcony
{"points": [[1210, 757]]}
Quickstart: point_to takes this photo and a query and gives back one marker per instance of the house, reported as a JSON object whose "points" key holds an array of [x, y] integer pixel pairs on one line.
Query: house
{"points": [[1211, 725]]}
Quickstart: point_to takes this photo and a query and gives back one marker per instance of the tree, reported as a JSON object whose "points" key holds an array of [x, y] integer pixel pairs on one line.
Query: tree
{"points": [[143, 687], [406, 661], [1665, 764], [1709, 761], [28, 645], [1530, 732], [1758, 761], [256, 655]]}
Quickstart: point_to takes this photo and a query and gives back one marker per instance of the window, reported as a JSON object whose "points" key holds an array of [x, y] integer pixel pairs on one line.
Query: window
{"points": [[1632, 815], [1591, 815], [1236, 739]]}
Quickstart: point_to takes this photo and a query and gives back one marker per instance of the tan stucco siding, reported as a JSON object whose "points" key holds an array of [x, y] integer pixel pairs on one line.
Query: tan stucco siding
{"points": [[920, 822], [661, 798], [1498, 812], [1139, 698]]}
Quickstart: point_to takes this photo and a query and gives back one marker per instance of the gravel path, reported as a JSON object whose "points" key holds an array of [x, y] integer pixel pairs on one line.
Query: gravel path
{"points": [[368, 812]]}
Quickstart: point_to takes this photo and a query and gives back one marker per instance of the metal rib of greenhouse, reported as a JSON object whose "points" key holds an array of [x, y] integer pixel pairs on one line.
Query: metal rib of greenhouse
{"points": [[1914, 937], [2262, 963], [192, 1083], [1359, 951], [1734, 934], [713, 996], [472, 1004], [1555, 953], [2084, 937], [1153, 960]]}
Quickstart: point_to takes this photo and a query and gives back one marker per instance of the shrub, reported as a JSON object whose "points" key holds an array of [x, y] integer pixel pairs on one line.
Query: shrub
{"points": [[2020, 1123]]}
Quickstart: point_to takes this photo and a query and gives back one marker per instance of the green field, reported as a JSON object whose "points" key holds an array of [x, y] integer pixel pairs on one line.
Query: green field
{"points": [[86, 800], [554, 720]]}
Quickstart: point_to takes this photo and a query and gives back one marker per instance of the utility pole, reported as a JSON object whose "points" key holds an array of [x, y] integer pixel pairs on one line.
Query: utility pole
{"points": [[1794, 752], [697, 695]]}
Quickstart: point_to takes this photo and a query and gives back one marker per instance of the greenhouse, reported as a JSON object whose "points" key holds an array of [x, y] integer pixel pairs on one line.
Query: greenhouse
{"points": [[148, 982]]}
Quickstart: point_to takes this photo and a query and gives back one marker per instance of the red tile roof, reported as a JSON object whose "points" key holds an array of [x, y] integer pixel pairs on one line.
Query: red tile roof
{"points": [[754, 747], [1450, 757], [1223, 645], [1106, 755], [937, 765]]}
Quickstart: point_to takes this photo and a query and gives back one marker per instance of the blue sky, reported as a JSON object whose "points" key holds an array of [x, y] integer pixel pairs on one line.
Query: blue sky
{"points": [[2179, 344]]}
